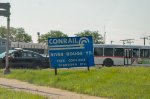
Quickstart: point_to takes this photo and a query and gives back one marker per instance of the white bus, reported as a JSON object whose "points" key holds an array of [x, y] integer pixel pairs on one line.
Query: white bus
{"points": [[109, 55]]}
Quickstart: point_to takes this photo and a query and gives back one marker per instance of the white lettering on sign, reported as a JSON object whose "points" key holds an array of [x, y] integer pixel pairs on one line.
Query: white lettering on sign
{"points": [[80, 60], [83, 64], [74, 53], [63, 41], [60, 60], [68, 65], [76, 60], [88, 53], [72, 60], [57, 54]]}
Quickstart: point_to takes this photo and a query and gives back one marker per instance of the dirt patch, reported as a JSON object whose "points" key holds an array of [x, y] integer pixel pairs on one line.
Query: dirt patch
{"points": [[52, 93]]}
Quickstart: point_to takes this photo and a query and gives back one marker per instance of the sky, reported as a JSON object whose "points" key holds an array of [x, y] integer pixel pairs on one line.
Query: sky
{"points": [[120, 19]]}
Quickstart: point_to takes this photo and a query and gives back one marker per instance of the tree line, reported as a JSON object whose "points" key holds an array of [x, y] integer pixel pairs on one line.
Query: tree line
{"points": [[20, 35]]}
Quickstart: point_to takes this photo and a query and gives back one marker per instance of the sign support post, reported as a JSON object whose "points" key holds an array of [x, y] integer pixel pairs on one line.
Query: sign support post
{"points": [[88, 68], [55, 71], [5, 11], [7, 69]]}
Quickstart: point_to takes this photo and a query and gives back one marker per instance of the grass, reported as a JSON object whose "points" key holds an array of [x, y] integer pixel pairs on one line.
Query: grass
{"points": [[114, 82], [10, 94]]}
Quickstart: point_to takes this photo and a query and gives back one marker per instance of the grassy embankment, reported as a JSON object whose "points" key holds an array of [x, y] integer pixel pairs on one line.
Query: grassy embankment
{"points": [[114, 82], [10, 94]]}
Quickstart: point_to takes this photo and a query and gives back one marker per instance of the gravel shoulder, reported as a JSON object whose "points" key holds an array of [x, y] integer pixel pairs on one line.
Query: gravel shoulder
{"points": [[52, 93]]}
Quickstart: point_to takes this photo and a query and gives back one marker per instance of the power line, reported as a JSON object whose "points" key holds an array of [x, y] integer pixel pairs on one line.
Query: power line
{"points": [[129, 41], [104, 35], [123, 41]]}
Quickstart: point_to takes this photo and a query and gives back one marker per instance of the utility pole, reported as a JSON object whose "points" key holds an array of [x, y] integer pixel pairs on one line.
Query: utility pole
{"points": [[5, 11], [145, 38], [149, 39], [38, 34], [111, 42], [104, 35]]}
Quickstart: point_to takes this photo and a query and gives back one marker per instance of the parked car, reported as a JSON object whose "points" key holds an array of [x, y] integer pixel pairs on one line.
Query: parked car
{"points": [[20, 58]]}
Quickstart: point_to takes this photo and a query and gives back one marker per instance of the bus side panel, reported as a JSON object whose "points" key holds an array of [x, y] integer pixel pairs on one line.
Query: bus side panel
{"points": [[116, 60], [98, 60]]}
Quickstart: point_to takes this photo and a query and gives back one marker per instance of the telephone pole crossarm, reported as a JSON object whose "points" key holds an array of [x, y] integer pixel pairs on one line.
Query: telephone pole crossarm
{"points": [[127, 41], [123, 41]]}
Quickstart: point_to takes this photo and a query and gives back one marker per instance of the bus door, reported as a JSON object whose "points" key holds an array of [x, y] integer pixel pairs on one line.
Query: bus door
{"points": [[127, 57]]}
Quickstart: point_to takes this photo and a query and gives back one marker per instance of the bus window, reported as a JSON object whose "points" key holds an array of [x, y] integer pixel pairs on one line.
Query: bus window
{"points": [[98, 51], [108, 52], [135, 52], [118, 52], [144, 53]]}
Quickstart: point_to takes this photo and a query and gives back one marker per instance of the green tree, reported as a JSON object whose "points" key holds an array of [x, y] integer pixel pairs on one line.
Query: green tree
{"points": [[97, 38], [16, 34], [22, 36], [3, 31], [52, 34]]}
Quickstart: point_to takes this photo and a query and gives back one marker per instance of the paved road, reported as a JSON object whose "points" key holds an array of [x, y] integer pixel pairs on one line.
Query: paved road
{"points": [[52, 93]]}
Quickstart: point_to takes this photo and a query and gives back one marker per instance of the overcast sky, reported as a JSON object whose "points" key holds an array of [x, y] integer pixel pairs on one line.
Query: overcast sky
{"points": [[122, 19]]}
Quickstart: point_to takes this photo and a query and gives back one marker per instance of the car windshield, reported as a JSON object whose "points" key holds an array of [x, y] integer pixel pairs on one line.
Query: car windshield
{"points": [[2, 55]]}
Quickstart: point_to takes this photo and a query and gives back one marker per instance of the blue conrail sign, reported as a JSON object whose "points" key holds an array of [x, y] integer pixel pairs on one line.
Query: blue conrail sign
{"points": [[71, 52]]}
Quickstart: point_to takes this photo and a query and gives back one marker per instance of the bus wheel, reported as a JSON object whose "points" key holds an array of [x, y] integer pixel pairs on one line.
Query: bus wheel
{"points": [[108, 62]]}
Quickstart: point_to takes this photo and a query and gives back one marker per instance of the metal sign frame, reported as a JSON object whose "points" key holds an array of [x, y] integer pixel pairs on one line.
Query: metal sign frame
{"points": [[70, 52]]}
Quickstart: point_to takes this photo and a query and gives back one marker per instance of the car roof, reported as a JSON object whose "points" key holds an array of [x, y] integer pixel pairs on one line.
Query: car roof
{"points": [[2, 55]]}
